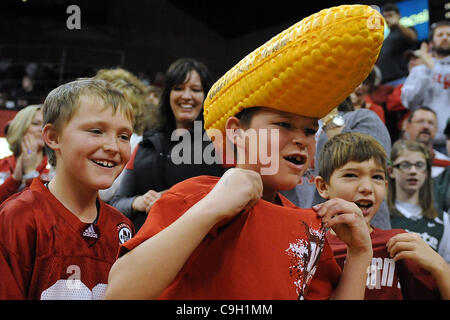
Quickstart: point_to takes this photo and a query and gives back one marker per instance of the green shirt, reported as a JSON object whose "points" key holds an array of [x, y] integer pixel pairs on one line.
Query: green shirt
{"points": [[431, 230]]}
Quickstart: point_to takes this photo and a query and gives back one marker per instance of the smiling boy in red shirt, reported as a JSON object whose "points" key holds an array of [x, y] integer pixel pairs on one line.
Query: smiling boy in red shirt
{"points": [[59, 240]]}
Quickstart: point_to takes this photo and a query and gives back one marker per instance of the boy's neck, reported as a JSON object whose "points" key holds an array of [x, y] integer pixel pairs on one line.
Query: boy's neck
{"points": [[271, 196], [79, 201]]}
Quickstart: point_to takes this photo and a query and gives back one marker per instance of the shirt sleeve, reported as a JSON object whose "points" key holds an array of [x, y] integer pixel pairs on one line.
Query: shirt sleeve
{"points": [[9, 187], [394, 102], [164, 212], [413, 90], [444, 246], [17, 243], [11, 283]]}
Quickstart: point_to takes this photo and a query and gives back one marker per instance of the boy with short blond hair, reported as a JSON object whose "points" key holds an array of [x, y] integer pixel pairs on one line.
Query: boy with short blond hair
{"points": [[59, 240], [352, 167]]}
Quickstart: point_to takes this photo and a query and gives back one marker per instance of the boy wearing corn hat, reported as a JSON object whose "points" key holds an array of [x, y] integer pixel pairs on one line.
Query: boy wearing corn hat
{"points": [[236, 237]]}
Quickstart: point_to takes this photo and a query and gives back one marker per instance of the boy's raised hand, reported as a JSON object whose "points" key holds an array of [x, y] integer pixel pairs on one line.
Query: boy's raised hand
{"points": [[347, 221], [237, 190], [410, 245], [145, 202]]}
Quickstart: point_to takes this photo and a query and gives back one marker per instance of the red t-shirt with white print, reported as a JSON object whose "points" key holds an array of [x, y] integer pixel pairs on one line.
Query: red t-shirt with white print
{"points": [[387, 279], [269, 252]]}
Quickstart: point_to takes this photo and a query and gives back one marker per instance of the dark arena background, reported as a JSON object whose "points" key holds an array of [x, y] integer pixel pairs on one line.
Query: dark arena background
{"points": [[44, 39]]}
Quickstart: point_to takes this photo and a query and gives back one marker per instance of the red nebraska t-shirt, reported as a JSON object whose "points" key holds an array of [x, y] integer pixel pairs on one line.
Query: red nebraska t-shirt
{"points": [[46, 252], [269, 252], [387, 279]]}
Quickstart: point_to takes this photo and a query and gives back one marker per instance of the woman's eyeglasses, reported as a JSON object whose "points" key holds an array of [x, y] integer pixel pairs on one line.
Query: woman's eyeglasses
{"points": [[406, 166]]}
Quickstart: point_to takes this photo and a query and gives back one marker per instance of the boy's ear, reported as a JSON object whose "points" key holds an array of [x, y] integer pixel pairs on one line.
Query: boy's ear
{"points": [[233, 129], [50, 136], [322, 187]]}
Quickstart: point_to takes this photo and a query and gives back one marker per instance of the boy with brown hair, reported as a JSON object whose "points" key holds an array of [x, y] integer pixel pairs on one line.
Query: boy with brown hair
{"points": [[237, 237], [352, 167], [59, 240]]}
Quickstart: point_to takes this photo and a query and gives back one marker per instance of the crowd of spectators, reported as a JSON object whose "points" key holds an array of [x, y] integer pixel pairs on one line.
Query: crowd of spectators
{"points": [[405, 98]]}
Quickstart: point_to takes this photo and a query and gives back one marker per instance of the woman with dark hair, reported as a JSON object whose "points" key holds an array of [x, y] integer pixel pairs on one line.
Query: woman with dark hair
{"points": [[174, 150], [178, 111]]}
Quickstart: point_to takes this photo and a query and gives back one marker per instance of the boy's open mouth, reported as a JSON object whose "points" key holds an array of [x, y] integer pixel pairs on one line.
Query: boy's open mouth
{"points": [[297, 160], [364, 204], [104, 163]]}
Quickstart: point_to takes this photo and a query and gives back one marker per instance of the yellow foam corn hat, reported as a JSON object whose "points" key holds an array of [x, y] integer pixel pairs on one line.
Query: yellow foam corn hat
{"points": [[308, 69]]}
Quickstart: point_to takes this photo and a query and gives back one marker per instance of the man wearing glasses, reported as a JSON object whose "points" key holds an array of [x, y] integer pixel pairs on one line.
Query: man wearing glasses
{"points": [[422, 126]]}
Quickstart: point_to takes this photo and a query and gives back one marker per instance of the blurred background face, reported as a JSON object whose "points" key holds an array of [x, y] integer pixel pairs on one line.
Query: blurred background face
{"points": [[35, 128], [409, 181], [359, 94], [423, 127], [391, 18], [186, 100], [441, 40], [27, 83], [153, 98]]}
